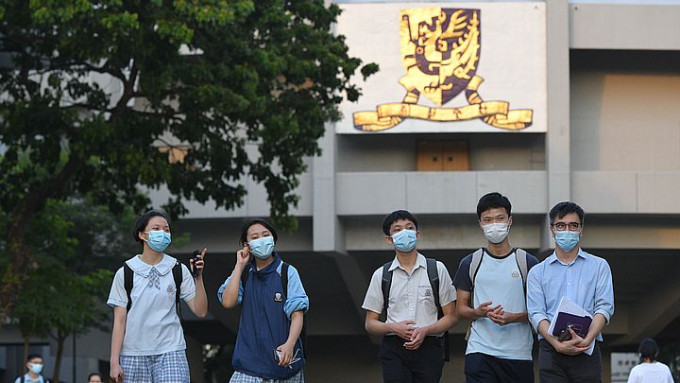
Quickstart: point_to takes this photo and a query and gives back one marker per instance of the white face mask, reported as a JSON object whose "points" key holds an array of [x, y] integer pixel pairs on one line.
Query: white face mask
{"points": [[496, 232]]}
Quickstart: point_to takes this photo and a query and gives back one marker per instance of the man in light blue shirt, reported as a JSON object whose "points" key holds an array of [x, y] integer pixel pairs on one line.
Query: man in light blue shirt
{"points": [[583, 278]]}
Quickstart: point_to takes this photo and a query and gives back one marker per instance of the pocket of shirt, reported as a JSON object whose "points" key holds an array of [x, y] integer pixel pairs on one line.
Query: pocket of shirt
{"points": [[425, 293], [426, 298]]}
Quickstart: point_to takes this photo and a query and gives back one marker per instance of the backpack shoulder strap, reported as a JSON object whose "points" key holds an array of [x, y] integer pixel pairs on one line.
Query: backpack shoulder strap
{"points": [[177, 276], [433, 275], [386, 284], [522, 261], [128, 275], [284, 278], [475, 262], [477, 257]]}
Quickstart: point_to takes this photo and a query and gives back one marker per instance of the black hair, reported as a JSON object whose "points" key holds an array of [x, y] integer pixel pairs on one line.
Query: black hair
{"points": [[493, 200], [30, 357], [95, 374], [143, 220], [395, 216], [564, 208], [648, 350], [244, 229]]}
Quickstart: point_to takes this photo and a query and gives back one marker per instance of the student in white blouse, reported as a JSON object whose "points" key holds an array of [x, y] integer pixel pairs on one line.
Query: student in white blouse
{"points": [[650, 370]]}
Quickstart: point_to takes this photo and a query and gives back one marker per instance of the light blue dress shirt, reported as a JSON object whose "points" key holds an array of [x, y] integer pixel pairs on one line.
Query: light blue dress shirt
{"points": [[587, 281]]}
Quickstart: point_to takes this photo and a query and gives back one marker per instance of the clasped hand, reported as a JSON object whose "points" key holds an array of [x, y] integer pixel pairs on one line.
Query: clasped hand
{"points": [[414, 336]]}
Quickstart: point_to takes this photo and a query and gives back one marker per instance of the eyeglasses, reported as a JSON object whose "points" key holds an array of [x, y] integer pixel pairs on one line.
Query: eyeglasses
{"points": [[562, 226]]}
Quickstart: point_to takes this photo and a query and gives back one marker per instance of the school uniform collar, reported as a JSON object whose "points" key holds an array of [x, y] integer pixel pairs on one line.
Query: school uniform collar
{"points": [[139, 267], [420, 262], [270, 268]]}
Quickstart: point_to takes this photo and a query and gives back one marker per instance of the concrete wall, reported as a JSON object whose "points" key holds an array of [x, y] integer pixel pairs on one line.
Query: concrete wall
{"points": [[625, 121]]}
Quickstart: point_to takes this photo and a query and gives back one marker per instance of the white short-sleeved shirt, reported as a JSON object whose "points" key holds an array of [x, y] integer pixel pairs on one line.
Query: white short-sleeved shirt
{"points": [[152, 326], [650, 373], [411, 295]]}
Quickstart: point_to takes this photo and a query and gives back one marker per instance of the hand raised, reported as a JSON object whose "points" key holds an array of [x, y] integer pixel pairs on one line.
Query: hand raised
{"points": [[243, 256]]}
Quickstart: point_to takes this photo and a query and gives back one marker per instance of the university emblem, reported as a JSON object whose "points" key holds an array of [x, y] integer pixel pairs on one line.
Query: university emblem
{"points": [[440, 51]]}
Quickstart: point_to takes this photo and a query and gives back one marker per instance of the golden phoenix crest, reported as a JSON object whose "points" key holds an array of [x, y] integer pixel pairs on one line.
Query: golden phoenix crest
{"points": [[440, 50]]}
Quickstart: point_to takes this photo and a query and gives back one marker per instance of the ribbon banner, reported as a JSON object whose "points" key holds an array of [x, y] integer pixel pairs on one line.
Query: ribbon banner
{"points": [[494, 113]]}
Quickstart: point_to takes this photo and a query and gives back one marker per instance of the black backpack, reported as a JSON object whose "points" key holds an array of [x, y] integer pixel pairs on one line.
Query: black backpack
{"points": [[128, 275], [433, 276], [284, 285]]}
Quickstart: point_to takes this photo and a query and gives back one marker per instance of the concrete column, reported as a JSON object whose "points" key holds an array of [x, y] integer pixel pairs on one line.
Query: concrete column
{"points": [[557, 137], [327, 235]]}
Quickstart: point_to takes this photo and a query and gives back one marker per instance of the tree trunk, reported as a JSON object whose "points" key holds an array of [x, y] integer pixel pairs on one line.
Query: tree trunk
{"points": [[60, 352], [18, 269], [27, 342]]}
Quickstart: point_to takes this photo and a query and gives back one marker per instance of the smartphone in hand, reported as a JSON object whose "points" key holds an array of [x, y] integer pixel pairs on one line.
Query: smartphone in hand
{"points": [[194, 269]]}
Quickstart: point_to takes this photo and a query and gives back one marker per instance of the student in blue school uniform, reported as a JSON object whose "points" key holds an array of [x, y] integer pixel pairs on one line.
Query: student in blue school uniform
{"points": [[268, 345]]}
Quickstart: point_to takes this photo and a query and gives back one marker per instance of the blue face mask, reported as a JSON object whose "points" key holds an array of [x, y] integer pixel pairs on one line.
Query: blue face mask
{"points": [[158, 240], [36, 368], [567, 240], [262, 248], [405, 240]]}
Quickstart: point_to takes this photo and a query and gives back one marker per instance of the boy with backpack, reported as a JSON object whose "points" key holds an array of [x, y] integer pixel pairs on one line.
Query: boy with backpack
{"points": [[418, 299], [34, 366], [491, 288]]}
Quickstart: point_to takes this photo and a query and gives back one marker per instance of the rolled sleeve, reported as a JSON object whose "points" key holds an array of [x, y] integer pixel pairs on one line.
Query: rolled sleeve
{"points": [[297, 299], [220, 291], [604, 292], [536, 306]]}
